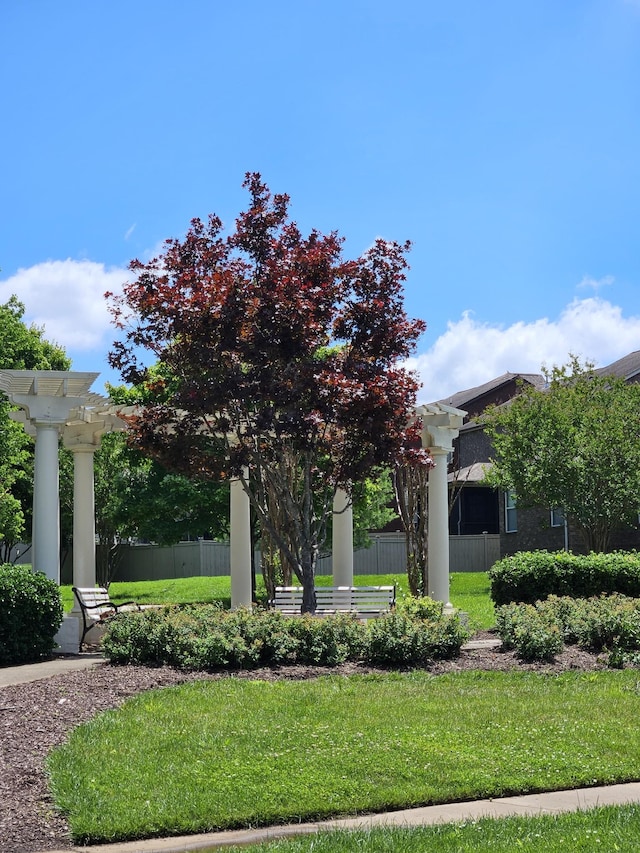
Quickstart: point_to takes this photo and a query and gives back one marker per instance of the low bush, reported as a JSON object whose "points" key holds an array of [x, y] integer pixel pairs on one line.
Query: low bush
{"points": [[538, 632], [531, 576], [397, 639], [30, 615], [534, 634], [206, 637], [420, 607]]}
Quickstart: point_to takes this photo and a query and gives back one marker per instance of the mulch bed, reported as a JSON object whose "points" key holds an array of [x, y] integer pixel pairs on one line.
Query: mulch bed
{"points": [[36, 717]]}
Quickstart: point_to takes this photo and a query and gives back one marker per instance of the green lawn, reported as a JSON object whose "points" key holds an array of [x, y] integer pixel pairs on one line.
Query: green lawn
{"points": [[240, 752], [469, 592]]}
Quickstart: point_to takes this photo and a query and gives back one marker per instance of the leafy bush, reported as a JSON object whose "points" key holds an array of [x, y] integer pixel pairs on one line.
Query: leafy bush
{"points": [[534, 633], [206, 637], [420, 607], [397, 639], [530, 576], [610, 622], [30, 615]]}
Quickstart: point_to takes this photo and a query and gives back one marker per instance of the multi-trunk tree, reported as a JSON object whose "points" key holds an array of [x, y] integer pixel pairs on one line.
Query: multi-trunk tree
{"points": [[411, 486], [574, 446], [278, 362]]}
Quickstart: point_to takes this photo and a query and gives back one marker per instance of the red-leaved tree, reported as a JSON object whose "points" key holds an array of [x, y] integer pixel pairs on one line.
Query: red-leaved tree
{"points": [[274, 356]]}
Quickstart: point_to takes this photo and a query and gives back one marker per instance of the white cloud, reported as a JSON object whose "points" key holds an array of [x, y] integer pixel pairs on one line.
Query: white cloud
{"points": [[67, 298], [596, 283], [470, 353]]}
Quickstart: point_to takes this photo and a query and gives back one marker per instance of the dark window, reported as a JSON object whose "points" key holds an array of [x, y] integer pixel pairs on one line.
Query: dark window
{"points": [[475, 511]]}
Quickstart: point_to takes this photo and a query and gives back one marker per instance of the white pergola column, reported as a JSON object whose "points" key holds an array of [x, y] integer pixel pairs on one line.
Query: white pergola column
{"points": [[440, 426], [46, 502], [438, 542], [84, 517], [82, 437], [342, 550], [240, 534]]}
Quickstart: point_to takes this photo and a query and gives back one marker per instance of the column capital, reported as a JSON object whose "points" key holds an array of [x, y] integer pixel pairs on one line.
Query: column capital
{"points": [[440, 426]]}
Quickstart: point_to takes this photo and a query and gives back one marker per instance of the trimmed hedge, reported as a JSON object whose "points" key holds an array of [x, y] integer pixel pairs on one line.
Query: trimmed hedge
{"points": [[30, 615], [205, 637], [531, 576]]}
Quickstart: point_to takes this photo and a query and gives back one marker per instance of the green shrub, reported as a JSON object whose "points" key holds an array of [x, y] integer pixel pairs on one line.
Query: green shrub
{"points": [[398, 640], [606, 622], [30, 615], [206, 637], [533, 632], [420, 607], [530, 576]]}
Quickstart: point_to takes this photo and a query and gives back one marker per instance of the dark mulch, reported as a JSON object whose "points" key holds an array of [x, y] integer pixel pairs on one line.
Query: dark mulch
{"points": [[36, 717]]}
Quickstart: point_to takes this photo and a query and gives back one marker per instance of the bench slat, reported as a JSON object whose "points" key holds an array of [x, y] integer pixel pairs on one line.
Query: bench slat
{"points": [[369, 600]]}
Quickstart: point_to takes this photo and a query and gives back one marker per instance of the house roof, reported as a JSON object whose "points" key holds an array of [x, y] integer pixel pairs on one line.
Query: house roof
{"points": [[627, 367], [471, 474], [462, 398]]}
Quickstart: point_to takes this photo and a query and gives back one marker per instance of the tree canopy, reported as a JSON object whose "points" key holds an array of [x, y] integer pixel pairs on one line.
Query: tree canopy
{"points": [[574, 445], [22, 347], [136, 498], [278, 362]]}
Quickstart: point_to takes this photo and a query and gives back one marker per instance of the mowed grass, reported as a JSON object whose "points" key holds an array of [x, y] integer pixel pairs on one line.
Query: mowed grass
{"points": [[610, 829], [236, 752], [469, 592]]}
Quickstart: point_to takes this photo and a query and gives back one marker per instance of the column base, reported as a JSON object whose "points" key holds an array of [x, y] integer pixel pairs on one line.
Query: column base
{"points": [[68, 637]]}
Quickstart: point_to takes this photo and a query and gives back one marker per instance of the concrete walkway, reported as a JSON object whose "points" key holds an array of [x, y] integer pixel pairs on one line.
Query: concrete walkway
{"points": [[531, 804], [45, 669]]}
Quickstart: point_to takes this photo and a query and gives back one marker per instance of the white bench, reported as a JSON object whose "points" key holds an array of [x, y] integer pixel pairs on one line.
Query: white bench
{"points": [[96, 607], [366, 602]]}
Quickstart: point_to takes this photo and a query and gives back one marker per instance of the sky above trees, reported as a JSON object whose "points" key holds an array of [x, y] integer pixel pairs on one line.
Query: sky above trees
{"points": [[500, 138]]}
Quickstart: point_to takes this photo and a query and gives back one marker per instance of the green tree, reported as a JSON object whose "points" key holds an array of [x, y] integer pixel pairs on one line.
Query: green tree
{"points": [[136, 498], [574, 445], [372, 506], [22, 347]]}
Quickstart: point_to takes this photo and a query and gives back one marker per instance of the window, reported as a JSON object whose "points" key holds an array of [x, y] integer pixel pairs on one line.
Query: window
{"points": [[510, 513], [557, 517]]}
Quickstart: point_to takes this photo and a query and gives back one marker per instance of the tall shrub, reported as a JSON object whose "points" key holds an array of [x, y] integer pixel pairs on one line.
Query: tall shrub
{"points": [[30, 615]]}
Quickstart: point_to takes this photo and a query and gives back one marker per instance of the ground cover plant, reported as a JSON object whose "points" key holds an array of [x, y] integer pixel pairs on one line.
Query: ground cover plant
{"points": [[606, 828], [239, 752]]}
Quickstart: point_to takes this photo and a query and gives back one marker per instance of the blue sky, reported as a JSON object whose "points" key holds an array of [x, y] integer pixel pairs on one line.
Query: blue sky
{"points": [[502, 138]]}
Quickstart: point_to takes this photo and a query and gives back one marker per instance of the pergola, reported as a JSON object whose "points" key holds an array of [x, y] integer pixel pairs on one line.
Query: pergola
{"points": [[59, 403], [56, 403]]}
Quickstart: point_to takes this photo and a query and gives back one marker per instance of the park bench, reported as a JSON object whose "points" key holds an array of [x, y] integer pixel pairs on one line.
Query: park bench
{"points": [[365, 602], [96, 607]]}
